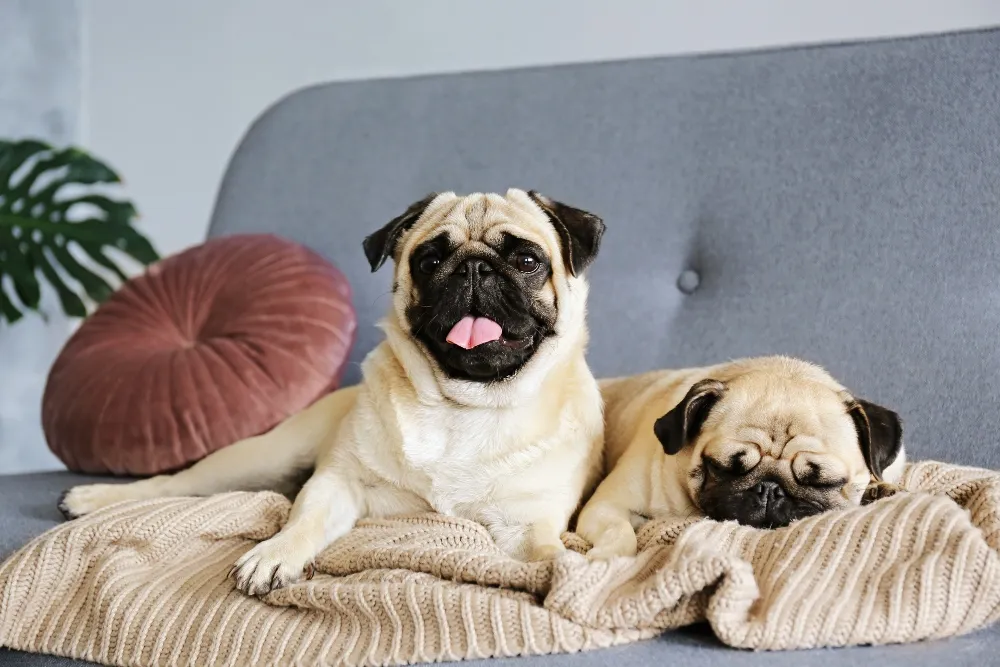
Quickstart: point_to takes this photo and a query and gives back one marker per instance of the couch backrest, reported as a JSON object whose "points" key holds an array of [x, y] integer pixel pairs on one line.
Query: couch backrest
{"points": [[838, 203]]}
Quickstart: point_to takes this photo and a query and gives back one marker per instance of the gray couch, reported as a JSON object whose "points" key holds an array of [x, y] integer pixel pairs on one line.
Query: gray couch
{"points": [[839, 203]]}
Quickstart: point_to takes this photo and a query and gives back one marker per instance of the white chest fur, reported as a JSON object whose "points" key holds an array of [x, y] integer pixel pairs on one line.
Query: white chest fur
{"points": [[461, 459], [509, 455]]}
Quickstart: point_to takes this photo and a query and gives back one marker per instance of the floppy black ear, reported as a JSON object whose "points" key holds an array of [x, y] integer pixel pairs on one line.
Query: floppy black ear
{"points": [[880, 434], [579, 232], [682, 424], [382, 244]]}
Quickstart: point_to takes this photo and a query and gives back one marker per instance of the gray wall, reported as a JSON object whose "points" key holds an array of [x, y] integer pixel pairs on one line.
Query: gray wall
{"points": [[40, 96], [173, 85]]}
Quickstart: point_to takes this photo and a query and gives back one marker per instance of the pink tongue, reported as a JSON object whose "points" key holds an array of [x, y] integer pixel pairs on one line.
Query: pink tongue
{"points": [[472, 331]]}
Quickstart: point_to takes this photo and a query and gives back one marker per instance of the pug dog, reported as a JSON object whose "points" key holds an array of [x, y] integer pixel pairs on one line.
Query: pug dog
{"points": [[761, 441], [478, 404]]}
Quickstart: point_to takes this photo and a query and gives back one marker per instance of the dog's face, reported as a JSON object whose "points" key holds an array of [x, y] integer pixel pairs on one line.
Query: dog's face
{"points": [[776, 440], [476, 281]]}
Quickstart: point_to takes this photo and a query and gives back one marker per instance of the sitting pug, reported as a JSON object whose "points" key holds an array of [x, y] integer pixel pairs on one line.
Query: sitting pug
{"points": [[479, 403], [762, 441]]}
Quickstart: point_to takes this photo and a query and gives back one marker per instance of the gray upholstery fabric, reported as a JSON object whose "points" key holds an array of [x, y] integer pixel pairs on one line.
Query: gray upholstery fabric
{"points": [[838, 203], [28, 505]]}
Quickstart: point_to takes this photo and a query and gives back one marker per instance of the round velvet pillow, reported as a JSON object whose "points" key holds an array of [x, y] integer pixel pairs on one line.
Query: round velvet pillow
{"points": [[218, 343]]}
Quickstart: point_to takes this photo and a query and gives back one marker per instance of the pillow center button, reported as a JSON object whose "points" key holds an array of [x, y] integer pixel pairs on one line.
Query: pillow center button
{"points": [[688, 281]]}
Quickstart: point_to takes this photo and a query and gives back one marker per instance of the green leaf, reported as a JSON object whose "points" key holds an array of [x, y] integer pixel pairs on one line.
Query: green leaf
{"points": [[96, 288], [36, 237], [86, 170], [96, 254], [114, 211], [14, 155], [43, 165], [72, 304], [7, 309], [72, 166], [125, 239], [22, 274]]}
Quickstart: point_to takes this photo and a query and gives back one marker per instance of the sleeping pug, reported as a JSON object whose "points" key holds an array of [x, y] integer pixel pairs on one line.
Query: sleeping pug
{"points": [[762, 441], [479, 404]]}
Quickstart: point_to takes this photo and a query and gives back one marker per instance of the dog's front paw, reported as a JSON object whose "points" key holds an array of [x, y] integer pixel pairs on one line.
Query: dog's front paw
{"points": [[270, 565], [611, 539], [88, 498], [622, 545], [547, 551], [878, 491]]}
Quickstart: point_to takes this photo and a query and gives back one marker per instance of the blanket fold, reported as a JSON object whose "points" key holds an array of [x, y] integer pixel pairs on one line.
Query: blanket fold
{"points": [[145, 583]]}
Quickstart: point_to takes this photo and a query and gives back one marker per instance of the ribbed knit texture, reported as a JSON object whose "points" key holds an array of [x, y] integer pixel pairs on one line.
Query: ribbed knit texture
{"points": [[144, 584]]}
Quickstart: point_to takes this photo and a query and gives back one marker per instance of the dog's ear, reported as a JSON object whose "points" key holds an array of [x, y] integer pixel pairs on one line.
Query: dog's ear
{"points": [[682, 424], [382, 244], [579, 232], [880, 434]]}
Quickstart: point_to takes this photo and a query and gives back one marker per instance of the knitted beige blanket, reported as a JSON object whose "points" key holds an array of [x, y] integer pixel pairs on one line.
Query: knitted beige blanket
{"points": [[145, 584]]}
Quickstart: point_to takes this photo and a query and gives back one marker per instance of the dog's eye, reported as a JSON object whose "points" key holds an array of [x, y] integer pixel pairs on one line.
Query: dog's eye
{"points": [[825, 484], [811, 473], [830, 484], [714, 466], [525, 263], [735, 466], [429, 263]]}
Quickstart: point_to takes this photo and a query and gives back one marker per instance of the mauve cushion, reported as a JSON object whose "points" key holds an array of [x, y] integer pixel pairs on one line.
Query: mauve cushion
{"points": [[218, 343]]}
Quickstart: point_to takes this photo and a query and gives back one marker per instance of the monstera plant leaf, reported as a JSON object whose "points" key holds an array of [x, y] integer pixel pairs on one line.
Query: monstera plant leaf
{"points": [[55, 226]]}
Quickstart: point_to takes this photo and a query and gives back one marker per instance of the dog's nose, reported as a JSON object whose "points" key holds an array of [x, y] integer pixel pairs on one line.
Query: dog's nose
{"points": [[769, 491], [474, 267]]}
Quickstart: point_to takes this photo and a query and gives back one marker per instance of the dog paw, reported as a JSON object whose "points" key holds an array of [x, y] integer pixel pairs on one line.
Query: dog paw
{"points": [[272, 564], [878, 491], [607, 549], [611, 540], [80, 500], [546, 551]]}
